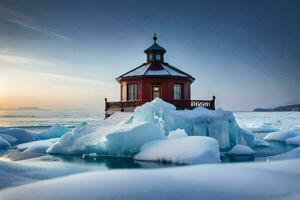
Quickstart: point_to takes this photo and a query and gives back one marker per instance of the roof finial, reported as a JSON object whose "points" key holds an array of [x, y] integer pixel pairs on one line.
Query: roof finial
{"points": [[154, 38]]}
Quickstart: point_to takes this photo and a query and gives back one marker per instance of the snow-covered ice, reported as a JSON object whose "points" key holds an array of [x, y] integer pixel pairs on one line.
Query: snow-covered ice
{"points": [[282, 136], [10, 139], [178, 133], [39, 146], [57, 130], [262, 180], [293, 140], [19, 134], [127, 140], [218, 124], [260, 143], [241, 150], [185, 150], [3, 143], [293, 154]]}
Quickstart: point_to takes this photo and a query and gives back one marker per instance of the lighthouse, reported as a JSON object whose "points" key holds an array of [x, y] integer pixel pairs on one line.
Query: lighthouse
{"points": [[156, 78]]}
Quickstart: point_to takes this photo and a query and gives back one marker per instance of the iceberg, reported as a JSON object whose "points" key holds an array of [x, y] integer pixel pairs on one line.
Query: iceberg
{"points": [[57, 130], [73, 142], [241, 150], [3, 143], [39, 146], [185, 150], [282, 136], [218, 124], [20, 135], [127, 140], [293, 140], [10, 139]]}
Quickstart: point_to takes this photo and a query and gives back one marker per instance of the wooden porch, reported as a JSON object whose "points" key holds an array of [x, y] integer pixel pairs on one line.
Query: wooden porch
{"points": [[129, 106]]}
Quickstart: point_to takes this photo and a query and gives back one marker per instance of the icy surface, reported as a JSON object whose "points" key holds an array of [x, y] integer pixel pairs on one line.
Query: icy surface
{"points": [[19, 134], [10, 139], [57, 130], [294, 140], [73, 142], [268, 121], [241, 150], [127, 140], [39, 146], [3, 143], [260, 143], [178, 133], [186, 150], [293, 154], [282, 136], [218, 124], [263, 180]]}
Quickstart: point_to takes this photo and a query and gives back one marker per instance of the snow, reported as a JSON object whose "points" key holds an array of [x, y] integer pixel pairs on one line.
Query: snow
{"points": [[282, 136], [186, 150], [218, 124], [263, 127], [3, 143], [262, 180], [178, 133], [293, 140], [19, 134], [260, 143], [127, 139], [57, 130], [72, 142], [39, 146], [241, 150]]}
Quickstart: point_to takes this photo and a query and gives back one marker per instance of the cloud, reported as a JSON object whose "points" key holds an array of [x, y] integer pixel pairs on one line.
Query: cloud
{"points": [[42, 68], [27, 22]]}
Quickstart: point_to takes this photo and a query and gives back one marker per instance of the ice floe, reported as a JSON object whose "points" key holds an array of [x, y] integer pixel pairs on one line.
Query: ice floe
{"points": [[241, 150], [282, 136], [185, 150]]}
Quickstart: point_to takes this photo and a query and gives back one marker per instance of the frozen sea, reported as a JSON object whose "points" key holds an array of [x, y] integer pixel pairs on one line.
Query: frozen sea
{"points": [[32, 169]]}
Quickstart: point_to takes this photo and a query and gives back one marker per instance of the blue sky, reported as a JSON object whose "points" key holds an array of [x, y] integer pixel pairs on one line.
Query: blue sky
{"points": [[66, 54]]}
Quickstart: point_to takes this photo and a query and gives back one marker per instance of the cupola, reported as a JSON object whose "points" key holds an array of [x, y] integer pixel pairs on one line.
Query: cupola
{"points": [[155, 53]]}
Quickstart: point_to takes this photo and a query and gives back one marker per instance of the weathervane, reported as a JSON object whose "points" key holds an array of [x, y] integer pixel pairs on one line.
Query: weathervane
{"points": [[154, 38]]}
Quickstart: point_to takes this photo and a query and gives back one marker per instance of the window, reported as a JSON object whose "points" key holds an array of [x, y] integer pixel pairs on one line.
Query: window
{"points": [[150, 56], [132, 92], [177, 91], [157, 56]]}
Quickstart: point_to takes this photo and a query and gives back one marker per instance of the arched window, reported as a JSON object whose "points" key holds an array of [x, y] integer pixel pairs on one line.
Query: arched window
{"points": [[150, 56], [157, 57]]}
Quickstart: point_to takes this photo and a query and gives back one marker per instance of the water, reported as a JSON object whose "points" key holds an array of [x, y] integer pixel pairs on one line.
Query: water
{"points": [[37, 120], [260, 123]]}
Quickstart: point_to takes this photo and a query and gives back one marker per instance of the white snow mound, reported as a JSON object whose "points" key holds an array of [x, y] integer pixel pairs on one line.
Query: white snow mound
{"points": [[178, 133], [39, 146], [282, 136], [186, 150], [241, 150], [127, 139]]}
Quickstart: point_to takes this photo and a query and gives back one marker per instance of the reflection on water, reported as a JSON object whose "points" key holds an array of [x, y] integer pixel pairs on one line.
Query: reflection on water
{"points": [[103, 162]]}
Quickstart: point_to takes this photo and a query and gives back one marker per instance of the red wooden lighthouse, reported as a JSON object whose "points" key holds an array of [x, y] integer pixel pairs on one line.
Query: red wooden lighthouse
{"points": [[156, 78]]}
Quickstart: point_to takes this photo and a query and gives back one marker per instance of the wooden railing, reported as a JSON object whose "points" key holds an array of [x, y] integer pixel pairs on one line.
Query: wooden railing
{"points": [[180, 104]]}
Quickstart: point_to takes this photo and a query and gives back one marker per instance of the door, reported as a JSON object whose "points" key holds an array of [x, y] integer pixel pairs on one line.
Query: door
{"points": [[156, 91]]}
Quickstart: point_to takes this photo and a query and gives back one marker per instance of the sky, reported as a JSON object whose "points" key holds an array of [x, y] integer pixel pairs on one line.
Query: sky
{"points": [[67, 54]]}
